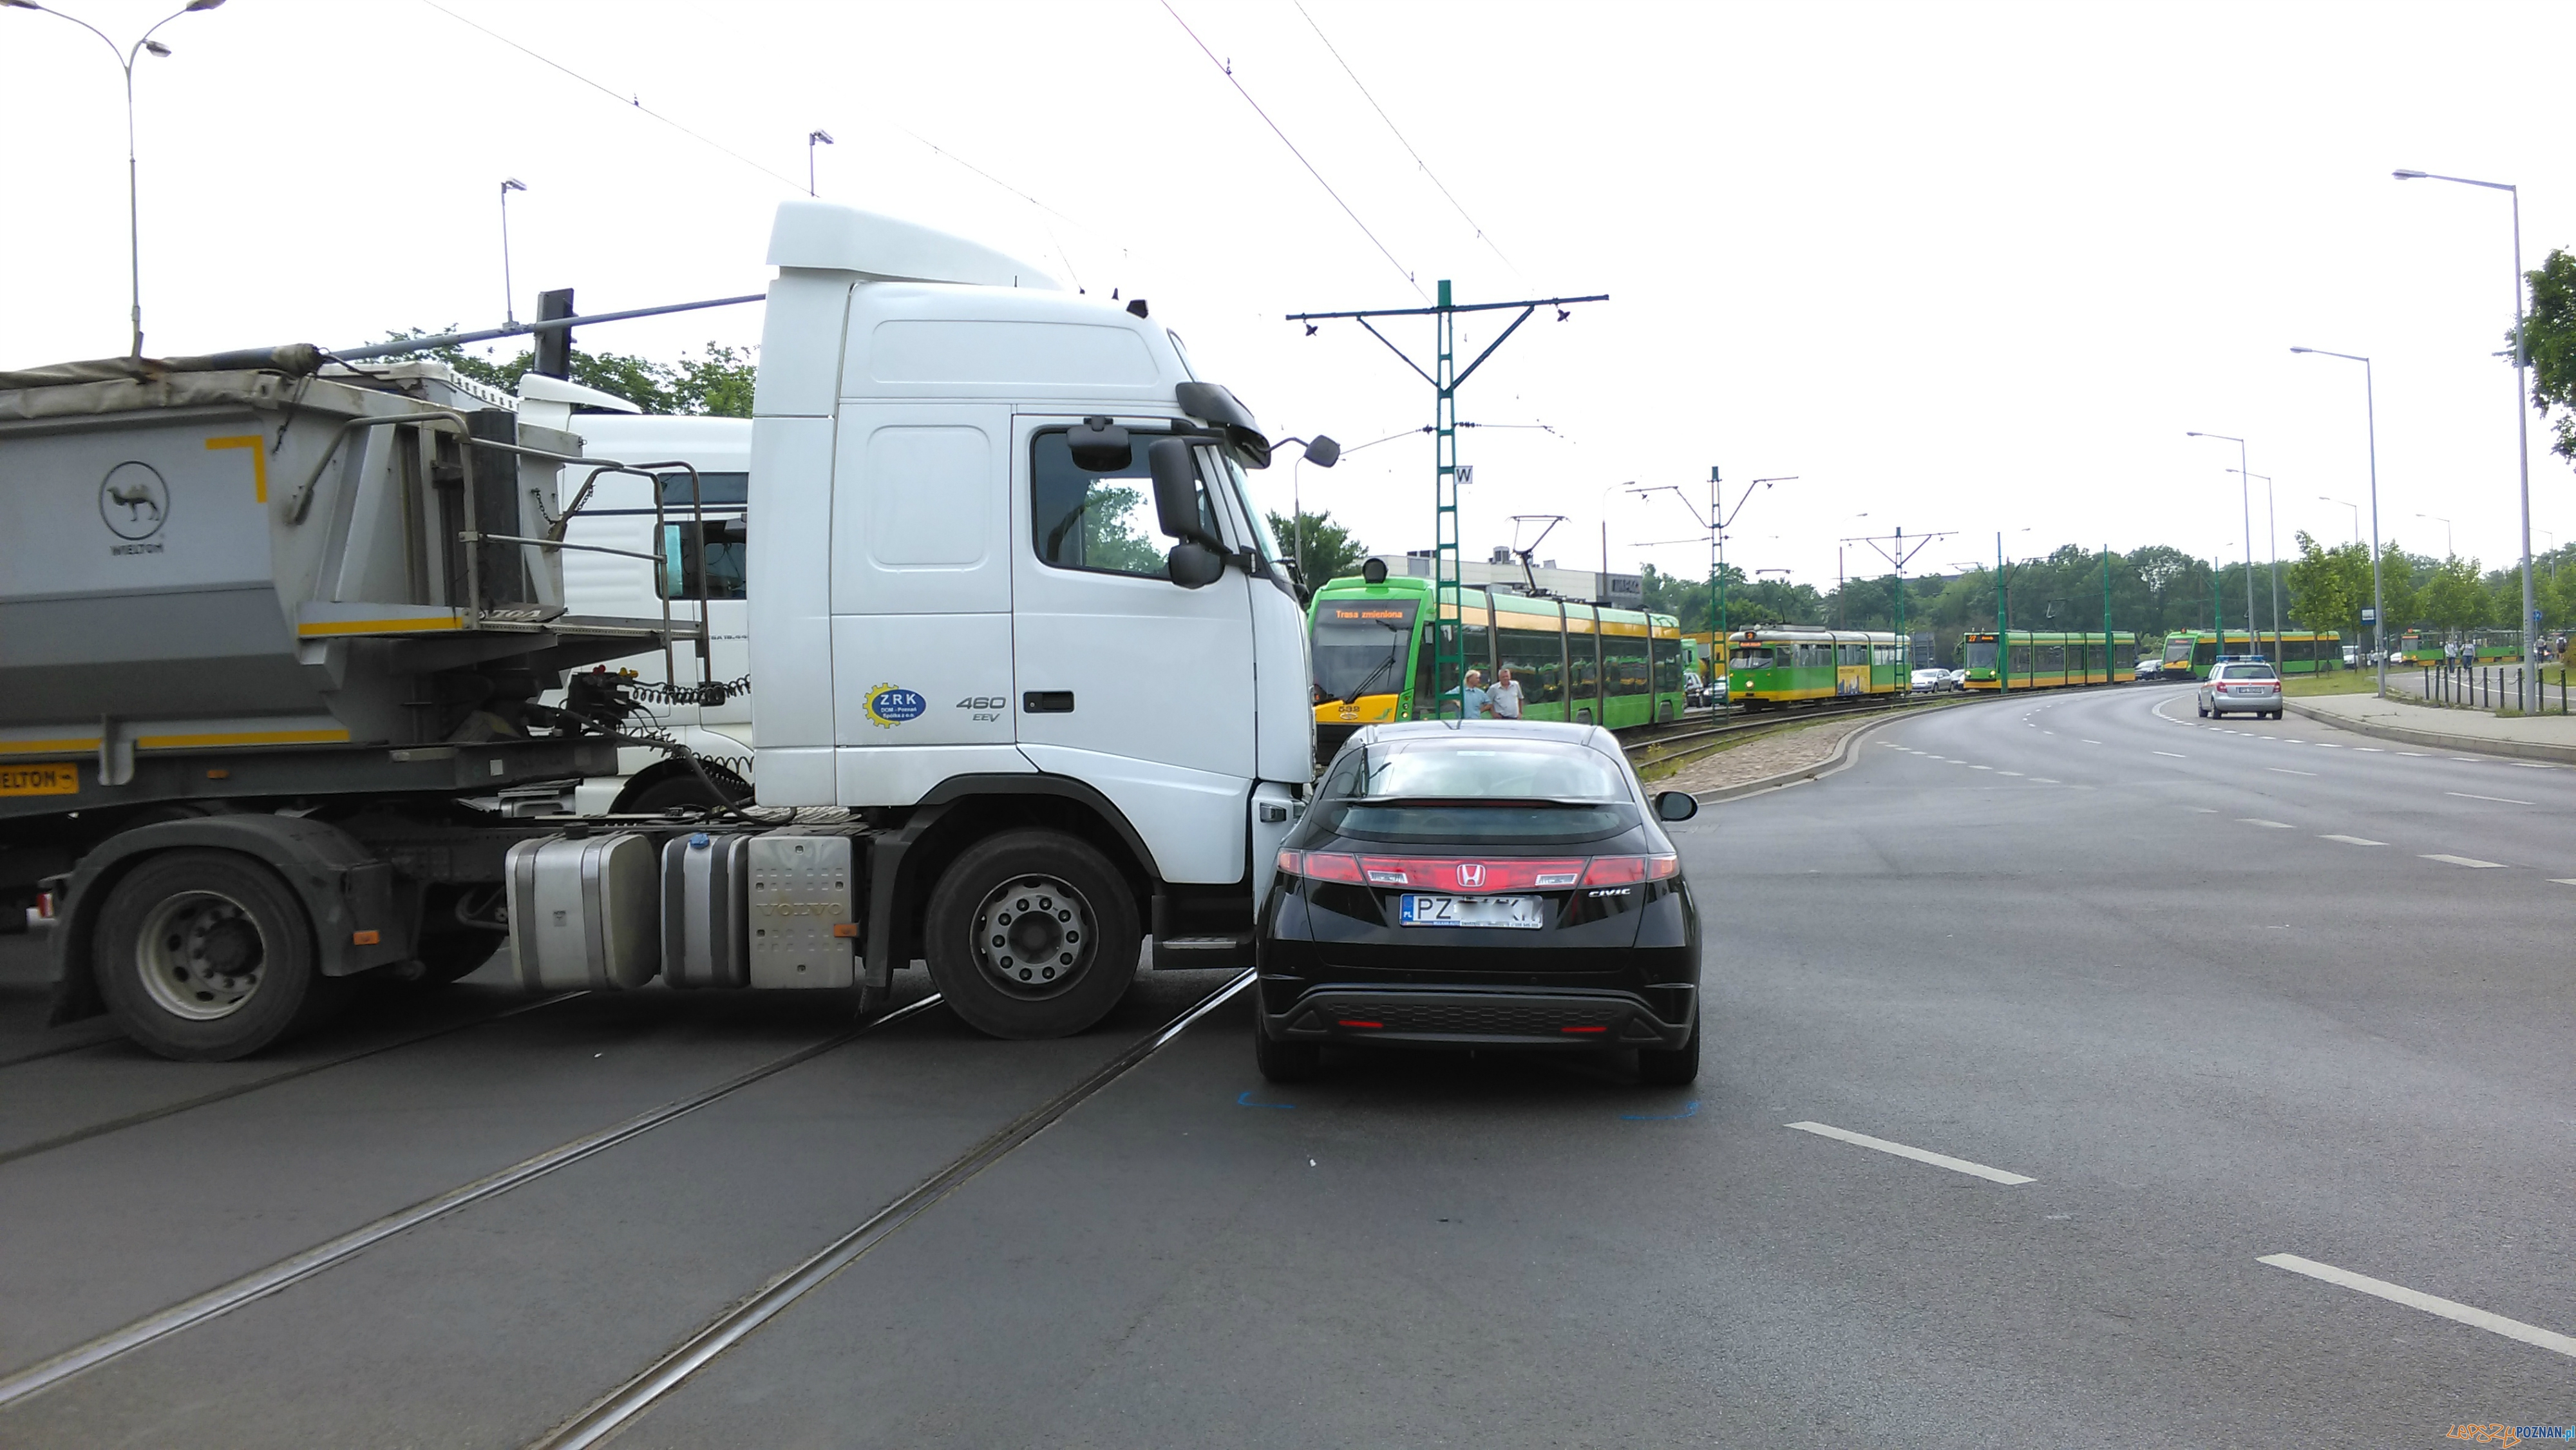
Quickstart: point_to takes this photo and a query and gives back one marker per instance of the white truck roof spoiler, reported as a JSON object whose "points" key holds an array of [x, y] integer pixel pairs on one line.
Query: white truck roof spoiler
{"points": [[826, 237]]}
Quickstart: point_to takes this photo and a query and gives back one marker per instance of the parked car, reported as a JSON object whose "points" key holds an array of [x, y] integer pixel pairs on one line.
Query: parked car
{"points": [[1926, 681], [1481, 885], [2246, 688], [2148, 669]]}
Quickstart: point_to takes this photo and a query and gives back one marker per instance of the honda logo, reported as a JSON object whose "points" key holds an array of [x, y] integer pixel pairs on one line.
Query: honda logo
{"points": [[1471, 875]]}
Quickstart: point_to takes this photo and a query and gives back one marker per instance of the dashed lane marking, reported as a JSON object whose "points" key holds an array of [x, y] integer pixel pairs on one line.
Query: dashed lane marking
{"points": [[1919, 1155], [2419, 755], [2499, 800], [2177, 757], [2259, 821], [2562, 880], [1981, 767], [2285, 770], [2353, 840], [2449, 1309], [2373, 749], [2008, 772], [2042, 780], [2466, 861]]}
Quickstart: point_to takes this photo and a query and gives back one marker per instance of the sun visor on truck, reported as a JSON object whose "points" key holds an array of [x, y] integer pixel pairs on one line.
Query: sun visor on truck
{"points": [[1219, 408], [831, 238]]}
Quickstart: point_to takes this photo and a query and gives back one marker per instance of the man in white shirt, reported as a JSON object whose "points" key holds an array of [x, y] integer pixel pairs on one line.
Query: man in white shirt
{"points": [[1505, 696]]}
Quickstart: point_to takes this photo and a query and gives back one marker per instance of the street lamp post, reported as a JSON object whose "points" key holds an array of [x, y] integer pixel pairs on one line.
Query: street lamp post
{"points": [[2246, 487], [2521, 401], [2370, 419], [509, 315], [2447, 550], [2272, 546], [2343, 503], [133, 187], [813, 139]]}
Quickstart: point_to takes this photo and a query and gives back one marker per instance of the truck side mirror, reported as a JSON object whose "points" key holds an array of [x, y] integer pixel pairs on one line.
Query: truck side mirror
{"points": [[1194, 565], [1323, 452], [1176, 494]]}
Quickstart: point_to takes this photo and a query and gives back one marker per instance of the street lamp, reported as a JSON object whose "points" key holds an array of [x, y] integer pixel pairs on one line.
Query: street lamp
{"points": [[2521, 392], [2272, 530], [2343, 503], [2247, 489], [812, 139], [1842, 612], [2447, 551], [509, 317], [2370, 417], [125, 62]]}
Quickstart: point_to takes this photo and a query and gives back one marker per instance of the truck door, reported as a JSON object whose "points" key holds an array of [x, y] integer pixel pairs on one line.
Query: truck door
{"points": [[1126, 680]]}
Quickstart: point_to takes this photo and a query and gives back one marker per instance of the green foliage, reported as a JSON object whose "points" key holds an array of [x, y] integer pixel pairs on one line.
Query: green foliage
{"points": [[718, 382], [2550, 332], [2328, 587], [1110, 538], [2455, 597], [1330, 550]]}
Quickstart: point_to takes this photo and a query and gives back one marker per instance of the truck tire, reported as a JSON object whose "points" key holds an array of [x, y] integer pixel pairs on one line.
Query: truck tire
{"points": [[206, 956], [1031, 934]]}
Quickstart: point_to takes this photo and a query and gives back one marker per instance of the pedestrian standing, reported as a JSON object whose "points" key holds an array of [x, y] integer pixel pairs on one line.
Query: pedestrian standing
{"points": [[1505, 697]]}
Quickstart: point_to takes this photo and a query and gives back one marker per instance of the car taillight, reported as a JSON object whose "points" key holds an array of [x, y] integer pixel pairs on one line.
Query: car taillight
{"points": [[1320, 865], [1628, 870]]}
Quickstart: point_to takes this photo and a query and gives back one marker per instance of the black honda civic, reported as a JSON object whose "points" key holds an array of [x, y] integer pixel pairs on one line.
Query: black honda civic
{"points": [[1481, 884]]}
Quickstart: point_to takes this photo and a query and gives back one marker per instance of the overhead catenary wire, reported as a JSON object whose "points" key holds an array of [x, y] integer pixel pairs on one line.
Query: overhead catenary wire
{"points": [[1409, 150], [1228, 72]]}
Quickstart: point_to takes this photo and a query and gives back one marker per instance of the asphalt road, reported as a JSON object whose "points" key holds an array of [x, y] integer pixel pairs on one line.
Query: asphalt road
{"points": [[2213, 994]]}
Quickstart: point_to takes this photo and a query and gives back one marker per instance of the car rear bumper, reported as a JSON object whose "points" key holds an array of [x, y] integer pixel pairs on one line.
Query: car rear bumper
{"points": [[1480, 1016], [2244, 704]]}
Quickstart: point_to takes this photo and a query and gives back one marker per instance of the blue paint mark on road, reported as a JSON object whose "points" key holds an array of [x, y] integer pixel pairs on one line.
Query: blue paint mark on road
{"points": [[1244, 1100], [1689, 1110]]}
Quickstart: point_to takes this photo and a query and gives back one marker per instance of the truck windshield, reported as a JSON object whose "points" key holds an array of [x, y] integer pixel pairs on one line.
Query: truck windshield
{"points": [[1981, 654], [1359, 646], [1251, 518]]}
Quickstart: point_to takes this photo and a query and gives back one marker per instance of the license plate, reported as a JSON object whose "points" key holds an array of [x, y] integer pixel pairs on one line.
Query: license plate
{"points": [[1520, 913], [57, 777]]}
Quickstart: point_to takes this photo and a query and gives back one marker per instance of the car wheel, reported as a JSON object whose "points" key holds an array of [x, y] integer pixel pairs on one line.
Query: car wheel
{"points": [[2204, 712], [1284, 1061], [1031, 934], [1671, 1066], [206, 956]]}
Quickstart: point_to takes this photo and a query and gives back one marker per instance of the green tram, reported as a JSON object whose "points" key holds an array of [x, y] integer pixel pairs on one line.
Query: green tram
{"points": [[2189, 653], [1372, 652], [2041, 661], [1781, 666]]}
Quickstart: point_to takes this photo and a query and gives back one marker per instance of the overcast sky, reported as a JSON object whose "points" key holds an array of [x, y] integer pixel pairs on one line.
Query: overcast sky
{"points": [[1965, 268]]}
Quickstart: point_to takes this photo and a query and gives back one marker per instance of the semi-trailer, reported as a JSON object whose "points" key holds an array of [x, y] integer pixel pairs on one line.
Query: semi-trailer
{"points": [[280, 640]]}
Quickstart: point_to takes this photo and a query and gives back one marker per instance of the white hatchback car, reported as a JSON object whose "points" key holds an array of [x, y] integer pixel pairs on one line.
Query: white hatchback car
{"points": [[2253, 688]]}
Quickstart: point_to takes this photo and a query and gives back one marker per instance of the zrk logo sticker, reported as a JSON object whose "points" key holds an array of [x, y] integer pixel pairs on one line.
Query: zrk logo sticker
{"points": [[889, 706]]}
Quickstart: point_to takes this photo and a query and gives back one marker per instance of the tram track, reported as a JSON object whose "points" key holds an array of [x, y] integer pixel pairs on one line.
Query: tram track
{"points": [[1669, 748], [295, 1268]]}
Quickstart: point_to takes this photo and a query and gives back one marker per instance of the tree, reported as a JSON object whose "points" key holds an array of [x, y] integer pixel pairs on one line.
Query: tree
{"points": [[1330, 549], [2328, 587], [2399, 598], [717, 383], [2455, 598], [2549, 330]]}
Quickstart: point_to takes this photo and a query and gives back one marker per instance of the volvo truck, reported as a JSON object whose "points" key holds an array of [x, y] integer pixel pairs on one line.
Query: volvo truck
{"points": [[296, 688]]}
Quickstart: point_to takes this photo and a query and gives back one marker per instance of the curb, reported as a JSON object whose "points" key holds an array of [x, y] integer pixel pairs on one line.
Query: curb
{"points": [[1840, 759], [2438, 740]]}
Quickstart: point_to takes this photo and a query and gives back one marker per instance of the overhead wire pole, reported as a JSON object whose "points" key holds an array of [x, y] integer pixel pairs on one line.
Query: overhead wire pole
{"points": [[1448, 604], [1896, 550], [1717, 521]]}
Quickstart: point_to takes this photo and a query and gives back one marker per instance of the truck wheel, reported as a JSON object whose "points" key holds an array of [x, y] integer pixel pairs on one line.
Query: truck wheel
{"points": [[1031, 934], [205, 956]]}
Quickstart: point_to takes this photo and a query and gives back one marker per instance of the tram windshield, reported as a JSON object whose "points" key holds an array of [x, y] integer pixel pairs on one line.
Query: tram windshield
{"points": [[1748, 658], [1359, 646], [1981, 654]]}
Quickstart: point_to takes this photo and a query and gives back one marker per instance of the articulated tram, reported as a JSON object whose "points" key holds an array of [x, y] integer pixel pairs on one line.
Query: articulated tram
{"points": [[2189, 653], [1786, 664], [2039, 661], [1374, 652]]}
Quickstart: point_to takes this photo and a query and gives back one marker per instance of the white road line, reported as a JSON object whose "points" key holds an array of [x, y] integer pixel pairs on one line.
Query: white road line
{"points": [[2414, 1299], [2419, 755], [2285, 770], [2042, 780], [2353, 840], [2531, 765], [2562, 880], [2092, 742], [2201, 810], [2373, 749], [2499, 800], [2177, 757], [1937, 1160], [2007, 772], [2465, 861], [2466, 759], [2325, 745], [2259, 821], [1981, 767]]}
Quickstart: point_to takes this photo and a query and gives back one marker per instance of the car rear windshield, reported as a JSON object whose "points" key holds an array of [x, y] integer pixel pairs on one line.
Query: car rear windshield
{"points": [[2247, 672], [1477, 790]]}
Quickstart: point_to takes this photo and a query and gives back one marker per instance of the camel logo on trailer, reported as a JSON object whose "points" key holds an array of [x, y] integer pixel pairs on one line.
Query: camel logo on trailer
{"points": [[134, 503], [1471, 875]]}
